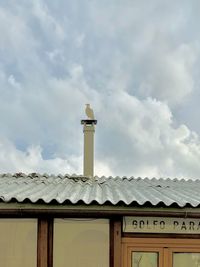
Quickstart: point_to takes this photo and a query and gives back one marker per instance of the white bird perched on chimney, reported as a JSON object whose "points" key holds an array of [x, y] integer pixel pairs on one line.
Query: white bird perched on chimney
{"points": [[89, 112]]}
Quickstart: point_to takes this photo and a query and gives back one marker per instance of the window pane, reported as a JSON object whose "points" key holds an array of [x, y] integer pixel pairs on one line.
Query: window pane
{"points": [[18, 242], [145, 259], [186, 259], [81, 243]]}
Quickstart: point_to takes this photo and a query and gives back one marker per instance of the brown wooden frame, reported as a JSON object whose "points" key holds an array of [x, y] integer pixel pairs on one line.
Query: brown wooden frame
{"points": [[118, 243], [125, 261], [45, 243], [165, 246], [115, 242]]}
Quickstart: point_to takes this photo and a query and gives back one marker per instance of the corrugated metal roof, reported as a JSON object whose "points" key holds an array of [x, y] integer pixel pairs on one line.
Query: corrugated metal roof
{"points": [[73, 189]]}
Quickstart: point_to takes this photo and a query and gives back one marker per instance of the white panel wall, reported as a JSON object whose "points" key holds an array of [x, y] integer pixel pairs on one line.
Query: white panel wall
{"points": [[18, 242], [81, 243]]}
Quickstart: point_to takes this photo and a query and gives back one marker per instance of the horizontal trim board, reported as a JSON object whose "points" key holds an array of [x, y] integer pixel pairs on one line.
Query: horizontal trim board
{"points": [[18, 212]]}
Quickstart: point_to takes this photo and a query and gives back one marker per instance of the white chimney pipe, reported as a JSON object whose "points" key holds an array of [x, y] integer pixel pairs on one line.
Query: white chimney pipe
{"points": [[88, 130]]}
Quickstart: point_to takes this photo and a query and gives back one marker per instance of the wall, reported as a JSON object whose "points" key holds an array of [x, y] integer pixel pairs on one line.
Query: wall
{"points": [[18, 242], [81, 243]]}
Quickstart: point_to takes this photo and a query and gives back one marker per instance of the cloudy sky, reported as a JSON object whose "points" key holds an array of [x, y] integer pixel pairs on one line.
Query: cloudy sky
{"points": [[137, 62]]}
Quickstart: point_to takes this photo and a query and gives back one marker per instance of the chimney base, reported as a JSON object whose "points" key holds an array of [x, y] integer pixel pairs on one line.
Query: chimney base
{"points": [[88, 160]]}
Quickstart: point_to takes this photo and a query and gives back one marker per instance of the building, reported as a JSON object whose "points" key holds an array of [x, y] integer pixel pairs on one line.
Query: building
{"points": [[86, 221], [75, 221]]}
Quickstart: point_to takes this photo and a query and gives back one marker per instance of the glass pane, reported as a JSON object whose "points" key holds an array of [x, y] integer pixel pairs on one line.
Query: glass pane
{"points": [[186, 259], [145, 259], [81, 243], [18, 242]]}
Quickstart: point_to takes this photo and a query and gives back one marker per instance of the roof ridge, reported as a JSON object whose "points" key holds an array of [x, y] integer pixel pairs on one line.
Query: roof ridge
{"points": [[80, 176]]}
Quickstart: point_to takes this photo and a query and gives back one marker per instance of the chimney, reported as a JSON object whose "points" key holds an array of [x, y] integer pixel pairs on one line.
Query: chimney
{"points": [[88, 130]]}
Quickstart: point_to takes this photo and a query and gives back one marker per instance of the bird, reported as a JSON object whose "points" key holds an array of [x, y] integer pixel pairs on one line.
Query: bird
{"points": [[89, 112]]}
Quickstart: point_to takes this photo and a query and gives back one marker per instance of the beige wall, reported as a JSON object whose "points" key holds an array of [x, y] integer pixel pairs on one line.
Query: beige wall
{"points": [[18, 242], [81, 243]]}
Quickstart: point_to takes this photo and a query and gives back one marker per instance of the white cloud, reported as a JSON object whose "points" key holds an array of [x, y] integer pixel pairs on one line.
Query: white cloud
{"points": [[102, 169], [55, 55], [31, 160], [12, 81], [146, 142]]}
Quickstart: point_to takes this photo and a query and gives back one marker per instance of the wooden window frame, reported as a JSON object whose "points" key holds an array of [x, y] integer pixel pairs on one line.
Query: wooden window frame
{"points": [[164, 246], [129, 252]]}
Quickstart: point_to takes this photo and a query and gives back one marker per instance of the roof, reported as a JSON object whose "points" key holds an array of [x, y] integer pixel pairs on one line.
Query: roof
{"points": [[75, 189]]}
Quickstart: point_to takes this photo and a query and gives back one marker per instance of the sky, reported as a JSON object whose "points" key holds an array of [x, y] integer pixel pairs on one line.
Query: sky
{"points": [[137, 63]]}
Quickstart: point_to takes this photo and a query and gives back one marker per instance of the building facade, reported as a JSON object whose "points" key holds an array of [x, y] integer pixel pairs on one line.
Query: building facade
{"points": [[59, 221]]}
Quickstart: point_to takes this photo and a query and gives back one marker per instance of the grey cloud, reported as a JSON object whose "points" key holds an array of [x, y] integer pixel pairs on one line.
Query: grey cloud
{"points": [[168, 75], [135, 62]]}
